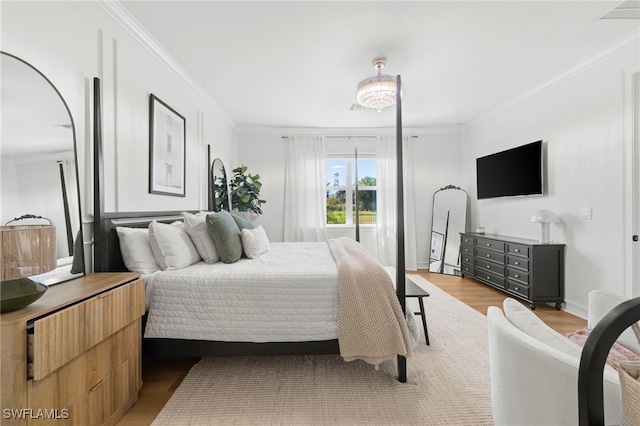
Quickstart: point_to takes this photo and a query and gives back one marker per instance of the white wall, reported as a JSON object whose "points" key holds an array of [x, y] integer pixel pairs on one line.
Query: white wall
{"points": [[73, 42], [579, 116], [438, 162]]}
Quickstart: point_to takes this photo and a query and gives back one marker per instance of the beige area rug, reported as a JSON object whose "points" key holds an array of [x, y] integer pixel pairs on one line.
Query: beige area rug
{"points": [[447, 382]]}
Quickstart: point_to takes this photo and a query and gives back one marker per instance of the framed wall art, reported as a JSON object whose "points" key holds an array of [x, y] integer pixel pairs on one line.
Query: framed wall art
{"points": [[167, 143]]}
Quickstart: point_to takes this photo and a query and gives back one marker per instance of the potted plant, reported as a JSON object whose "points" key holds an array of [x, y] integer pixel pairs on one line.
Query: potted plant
{"points": [[245, 191]]}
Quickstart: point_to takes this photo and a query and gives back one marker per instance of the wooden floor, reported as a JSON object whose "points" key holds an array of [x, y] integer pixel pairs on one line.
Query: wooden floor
{"points": [[162, 376]]}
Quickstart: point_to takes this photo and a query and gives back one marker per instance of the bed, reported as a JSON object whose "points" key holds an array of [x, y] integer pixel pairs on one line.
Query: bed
{"points": [[225, 309], [107, 257]]}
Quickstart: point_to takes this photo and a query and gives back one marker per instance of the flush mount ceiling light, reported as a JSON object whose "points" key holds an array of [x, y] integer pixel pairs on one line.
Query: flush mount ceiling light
{"points": [[378, 92]]}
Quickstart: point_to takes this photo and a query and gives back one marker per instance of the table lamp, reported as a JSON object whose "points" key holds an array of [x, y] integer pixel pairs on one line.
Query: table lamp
{"points": [[544, 218]]}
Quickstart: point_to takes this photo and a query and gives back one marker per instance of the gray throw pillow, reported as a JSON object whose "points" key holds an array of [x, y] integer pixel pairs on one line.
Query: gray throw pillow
{"points": [[226, 236], [242, 221]]}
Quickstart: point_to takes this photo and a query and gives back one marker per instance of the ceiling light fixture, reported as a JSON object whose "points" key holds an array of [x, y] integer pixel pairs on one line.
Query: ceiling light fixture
{"points": [[378, 92]]}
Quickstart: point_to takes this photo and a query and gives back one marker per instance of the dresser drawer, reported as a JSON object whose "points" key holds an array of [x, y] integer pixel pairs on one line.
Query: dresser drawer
{"points": [[518, 288], [490, 244], [493, 278], [489, 255], [68, 384], [518, 249], [483, 265], [466, 258], [467, 269], [468, 250], [518, 275], [60, 337], [466, 240], [518, 262]]}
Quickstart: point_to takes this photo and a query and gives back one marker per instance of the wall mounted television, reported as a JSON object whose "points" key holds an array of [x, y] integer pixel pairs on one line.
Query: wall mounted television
{"points": [[514, 172]]}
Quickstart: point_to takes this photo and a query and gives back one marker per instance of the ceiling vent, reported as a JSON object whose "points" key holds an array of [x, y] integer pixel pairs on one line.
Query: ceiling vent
{"points": [[629, 9]]}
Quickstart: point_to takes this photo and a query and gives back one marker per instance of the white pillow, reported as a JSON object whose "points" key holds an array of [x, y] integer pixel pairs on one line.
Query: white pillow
{"points": [[254, 242], [196, 227], [136, 250], [171, 246], [528, 322]]}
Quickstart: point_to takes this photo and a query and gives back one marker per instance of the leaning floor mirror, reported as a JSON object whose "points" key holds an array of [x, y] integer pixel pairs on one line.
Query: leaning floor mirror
{"points": [[449, 219], [41, 218]]}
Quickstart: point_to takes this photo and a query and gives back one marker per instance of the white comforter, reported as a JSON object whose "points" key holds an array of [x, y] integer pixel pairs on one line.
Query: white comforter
{"points": [[288, 294]]}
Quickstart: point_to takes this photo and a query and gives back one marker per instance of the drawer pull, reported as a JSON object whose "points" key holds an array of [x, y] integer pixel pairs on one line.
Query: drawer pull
{"points": [[488, 244], [488, 255], [517, 276], [488, 277], [516, 263], [488, 266], [96, 385], [517, 250], [516, 288]]}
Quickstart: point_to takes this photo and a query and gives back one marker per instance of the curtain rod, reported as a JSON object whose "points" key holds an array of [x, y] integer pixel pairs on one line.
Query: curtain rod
{"points": [[351, 137], [341, 137]]}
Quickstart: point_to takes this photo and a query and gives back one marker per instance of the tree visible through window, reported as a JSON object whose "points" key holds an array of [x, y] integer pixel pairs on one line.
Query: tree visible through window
{"points": [[341, 187]]}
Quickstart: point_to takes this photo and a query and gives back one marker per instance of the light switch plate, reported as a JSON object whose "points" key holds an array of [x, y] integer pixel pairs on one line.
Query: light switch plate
{"points": [[585, 213]]}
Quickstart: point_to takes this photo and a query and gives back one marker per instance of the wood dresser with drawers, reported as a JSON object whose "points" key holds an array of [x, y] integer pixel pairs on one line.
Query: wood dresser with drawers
{"points": [[73, 357], [523, 268]]}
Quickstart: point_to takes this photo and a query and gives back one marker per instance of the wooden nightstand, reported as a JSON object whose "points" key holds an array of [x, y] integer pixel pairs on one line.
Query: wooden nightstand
{"points": [[84, 365]]}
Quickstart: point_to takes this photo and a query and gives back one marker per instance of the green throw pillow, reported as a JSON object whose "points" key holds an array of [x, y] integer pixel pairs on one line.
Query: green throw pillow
{"points": [[242, 221], [226, 236]]}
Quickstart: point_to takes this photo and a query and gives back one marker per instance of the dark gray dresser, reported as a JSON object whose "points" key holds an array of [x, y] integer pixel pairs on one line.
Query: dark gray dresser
{"points": [[522, 268]]}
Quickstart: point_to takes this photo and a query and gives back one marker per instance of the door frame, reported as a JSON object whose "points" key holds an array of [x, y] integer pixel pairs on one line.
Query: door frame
{"points": [[631, 164]]}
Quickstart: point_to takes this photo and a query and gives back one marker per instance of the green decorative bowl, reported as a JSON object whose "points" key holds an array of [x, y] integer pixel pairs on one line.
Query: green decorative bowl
{"points": [[19, 293]]}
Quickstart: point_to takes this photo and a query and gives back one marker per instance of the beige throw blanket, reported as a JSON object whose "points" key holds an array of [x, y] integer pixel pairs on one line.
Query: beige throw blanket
{"points": [[371, 325]]}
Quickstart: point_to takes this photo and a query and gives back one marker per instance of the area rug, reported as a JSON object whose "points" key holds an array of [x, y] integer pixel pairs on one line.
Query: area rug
{"points": [[447, 382]]}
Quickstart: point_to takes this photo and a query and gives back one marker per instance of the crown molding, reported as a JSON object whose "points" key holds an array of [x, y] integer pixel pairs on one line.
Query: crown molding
{"points": [[629, 41], [121, 16], [355, 131]]}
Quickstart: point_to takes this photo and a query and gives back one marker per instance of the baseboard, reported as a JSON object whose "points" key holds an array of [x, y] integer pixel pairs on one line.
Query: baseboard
{"points": [[576, 309]]}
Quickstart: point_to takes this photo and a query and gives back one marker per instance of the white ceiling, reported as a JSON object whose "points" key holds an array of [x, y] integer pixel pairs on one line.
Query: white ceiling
{"points": [[297, 63]]}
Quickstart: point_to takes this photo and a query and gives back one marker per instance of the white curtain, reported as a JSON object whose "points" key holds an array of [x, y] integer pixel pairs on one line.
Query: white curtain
{"points": [[305, 190], [387, 203]]}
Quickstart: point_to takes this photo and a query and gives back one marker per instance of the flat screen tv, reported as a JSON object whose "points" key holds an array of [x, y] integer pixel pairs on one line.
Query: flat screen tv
{"points": [[516, 171]]}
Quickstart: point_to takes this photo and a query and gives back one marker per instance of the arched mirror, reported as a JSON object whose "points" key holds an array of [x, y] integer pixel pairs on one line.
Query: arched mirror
{"points": [[449, 219], [39, 173], [220, 186]]}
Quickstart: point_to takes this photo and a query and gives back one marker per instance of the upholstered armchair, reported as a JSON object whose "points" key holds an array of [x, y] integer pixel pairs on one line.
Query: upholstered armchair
{"points": [[534, 370]]}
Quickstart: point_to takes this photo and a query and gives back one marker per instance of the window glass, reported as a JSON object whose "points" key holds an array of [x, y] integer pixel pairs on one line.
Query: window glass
{"points": [[341, 186]]}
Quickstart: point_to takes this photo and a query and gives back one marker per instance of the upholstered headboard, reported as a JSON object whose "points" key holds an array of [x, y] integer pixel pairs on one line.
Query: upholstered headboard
{"points": [[108, 245]]}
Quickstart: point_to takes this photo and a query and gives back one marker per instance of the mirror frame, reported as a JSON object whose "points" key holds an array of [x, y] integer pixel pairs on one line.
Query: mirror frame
{"points": [[433, 205], [75, 155], [212, 183]]}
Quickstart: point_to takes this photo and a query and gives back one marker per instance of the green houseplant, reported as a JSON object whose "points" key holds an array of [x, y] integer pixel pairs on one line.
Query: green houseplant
{"points": [[245, 191]]}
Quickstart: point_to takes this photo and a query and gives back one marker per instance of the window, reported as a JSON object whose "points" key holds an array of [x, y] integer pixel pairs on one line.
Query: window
{"points": [[341, 186]]}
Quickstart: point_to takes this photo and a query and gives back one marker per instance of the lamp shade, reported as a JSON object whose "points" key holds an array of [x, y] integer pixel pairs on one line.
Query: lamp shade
{"points": [[27, 250], [379, 91], [545, 216]]}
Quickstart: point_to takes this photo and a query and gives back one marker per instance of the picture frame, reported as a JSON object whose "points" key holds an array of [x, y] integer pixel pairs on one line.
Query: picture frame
{"points": [[167, 146], [437, 244]]}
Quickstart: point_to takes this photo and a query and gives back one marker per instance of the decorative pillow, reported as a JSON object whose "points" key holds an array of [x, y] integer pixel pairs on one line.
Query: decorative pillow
{"points": [[242, 221], [226, 236], [528, 322], [196, 227], [171, 246], [136, 250], [254, 242]]}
